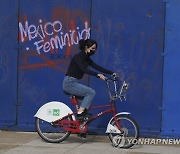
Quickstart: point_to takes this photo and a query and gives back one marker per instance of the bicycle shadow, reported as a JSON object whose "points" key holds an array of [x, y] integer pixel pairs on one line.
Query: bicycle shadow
{"points": [[73, 138]]}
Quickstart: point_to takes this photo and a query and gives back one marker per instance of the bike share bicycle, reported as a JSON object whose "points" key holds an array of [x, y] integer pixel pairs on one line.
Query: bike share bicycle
{"points": [[55, 121]]}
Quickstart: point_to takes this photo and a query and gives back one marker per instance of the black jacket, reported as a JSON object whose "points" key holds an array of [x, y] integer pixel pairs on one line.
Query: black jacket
{"points": [[79, 65]]}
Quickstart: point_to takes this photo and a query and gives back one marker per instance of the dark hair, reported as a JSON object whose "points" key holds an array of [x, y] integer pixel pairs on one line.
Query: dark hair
{"points": [[87, 42]]}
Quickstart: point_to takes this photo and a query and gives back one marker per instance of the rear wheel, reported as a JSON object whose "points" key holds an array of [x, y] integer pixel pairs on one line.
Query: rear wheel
{"points": [[51, 133], [129, 133]]}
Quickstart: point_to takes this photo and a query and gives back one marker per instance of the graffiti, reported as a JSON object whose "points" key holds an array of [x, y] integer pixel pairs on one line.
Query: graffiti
{"points": [[134, 58], [105, 40], [46, 62], [58, 39]]}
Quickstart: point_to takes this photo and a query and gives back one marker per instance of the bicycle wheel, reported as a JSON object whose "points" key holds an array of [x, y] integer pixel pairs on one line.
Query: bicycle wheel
{"points": [[51, 133], [130, 132]]}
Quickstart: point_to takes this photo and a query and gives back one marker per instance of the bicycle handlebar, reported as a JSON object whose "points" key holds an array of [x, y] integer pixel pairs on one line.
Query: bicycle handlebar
{"points": [[117, 94]]}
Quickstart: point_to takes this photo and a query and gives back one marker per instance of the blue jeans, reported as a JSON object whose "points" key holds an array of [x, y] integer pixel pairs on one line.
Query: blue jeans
{"points": [[71, 85]]}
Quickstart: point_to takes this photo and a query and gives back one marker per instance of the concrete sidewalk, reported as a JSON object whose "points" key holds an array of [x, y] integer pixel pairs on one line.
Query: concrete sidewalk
{"points": [[31, 143]]}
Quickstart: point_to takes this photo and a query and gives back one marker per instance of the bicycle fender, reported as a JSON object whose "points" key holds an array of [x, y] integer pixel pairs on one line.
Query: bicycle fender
{"points": [[111, 128], [53, 111]]}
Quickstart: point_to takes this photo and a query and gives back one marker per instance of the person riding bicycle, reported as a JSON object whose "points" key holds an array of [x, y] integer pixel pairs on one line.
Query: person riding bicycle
{"points": [[77, 68]]}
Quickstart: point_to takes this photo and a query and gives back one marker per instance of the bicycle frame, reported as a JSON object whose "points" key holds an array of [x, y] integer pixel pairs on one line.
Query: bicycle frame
{"points": [[112, 109], [81, 127]]}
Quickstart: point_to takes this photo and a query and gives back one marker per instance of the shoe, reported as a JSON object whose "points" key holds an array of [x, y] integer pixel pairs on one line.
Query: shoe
{"points": [[84, 115], [87, 113], [83, 135]]}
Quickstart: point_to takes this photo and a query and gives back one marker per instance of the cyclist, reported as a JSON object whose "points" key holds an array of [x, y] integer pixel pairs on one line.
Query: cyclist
{"points": [[77, 68]]}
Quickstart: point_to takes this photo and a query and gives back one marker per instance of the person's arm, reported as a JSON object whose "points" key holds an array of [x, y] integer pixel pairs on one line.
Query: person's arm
{"points": [[80, 64], [100, 68]]}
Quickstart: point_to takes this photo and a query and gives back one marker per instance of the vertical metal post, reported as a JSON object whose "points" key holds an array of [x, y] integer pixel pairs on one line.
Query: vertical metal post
{"points": [[17, 86]]}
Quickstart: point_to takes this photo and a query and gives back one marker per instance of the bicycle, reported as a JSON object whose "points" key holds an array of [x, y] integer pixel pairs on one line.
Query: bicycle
{"points": [[55, 121]]}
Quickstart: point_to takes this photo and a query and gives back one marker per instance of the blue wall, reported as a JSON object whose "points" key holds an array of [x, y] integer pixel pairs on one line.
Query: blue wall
{"points": [[171, 88], [130, 38], [134, 38], [42, 68], [8, 62]]}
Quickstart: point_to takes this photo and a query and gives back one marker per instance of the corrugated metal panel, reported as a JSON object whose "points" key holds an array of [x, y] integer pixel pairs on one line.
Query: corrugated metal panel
{"points": [[8, 61], [171, 90], [130, 36], [49, 33]]}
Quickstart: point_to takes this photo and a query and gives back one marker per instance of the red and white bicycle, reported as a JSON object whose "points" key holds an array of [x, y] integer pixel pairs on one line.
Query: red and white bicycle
{"points": [[55, 121]]}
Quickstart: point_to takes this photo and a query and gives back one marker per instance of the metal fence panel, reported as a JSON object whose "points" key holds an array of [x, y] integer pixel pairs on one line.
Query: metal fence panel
{"points": [[49, 32], [171, 88], [130, 34], [8, 61]]}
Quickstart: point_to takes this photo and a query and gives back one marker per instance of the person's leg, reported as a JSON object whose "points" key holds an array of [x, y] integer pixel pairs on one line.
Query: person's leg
{"points": [[72, 86], [88, 94]]}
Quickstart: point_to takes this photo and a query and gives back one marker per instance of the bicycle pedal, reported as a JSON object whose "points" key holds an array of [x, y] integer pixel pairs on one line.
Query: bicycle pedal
{"points": [[82, 119], [86, 118]]}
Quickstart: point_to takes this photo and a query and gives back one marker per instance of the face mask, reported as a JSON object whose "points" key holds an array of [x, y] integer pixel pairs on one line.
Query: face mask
{"points": [[92, 52]]}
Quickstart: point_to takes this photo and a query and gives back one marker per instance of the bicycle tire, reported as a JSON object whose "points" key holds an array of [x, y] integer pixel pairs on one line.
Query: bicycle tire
{"points": [[127, 144], [49, 135]]}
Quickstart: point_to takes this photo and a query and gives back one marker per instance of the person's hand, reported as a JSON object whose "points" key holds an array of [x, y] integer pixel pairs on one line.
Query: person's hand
{"points": [[101, 76]]}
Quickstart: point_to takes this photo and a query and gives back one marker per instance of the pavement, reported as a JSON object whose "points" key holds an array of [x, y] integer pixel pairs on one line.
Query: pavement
{"points": [[12, 142]]}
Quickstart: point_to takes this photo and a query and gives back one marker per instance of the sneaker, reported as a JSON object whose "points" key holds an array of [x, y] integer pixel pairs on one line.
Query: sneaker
{"points": [[87, 113], [83, 115]]}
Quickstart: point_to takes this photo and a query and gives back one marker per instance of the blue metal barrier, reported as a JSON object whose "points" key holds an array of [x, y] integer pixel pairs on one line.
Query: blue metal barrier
{"points": [[8, 62], [48, 40], [130, 37], [38, 39], [171, 88]]}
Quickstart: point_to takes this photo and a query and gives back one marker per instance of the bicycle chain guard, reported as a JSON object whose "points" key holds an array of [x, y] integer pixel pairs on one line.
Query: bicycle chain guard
{"points": [[72, 126]]}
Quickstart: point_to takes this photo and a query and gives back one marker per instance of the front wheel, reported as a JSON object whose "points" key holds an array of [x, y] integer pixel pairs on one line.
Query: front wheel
{"points": [[49, 132], [129, 132]]}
